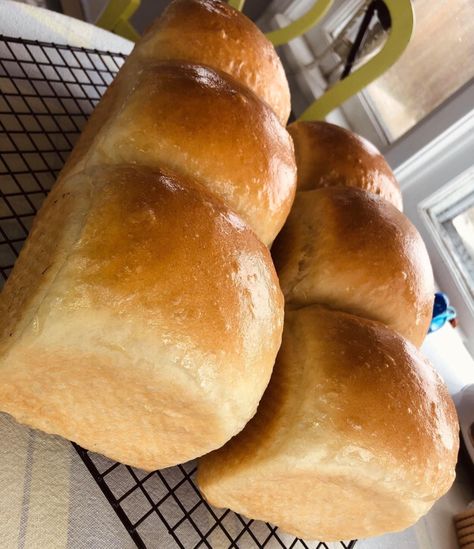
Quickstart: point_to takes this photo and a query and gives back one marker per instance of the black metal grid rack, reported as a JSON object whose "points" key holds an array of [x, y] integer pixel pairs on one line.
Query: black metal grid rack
{"points": [[47, 91]]}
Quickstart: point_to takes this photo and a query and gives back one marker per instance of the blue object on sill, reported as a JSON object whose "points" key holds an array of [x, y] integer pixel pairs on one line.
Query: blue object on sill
{"points": [[442, 312]]}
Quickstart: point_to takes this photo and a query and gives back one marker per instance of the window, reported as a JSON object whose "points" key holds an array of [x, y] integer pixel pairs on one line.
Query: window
{"points": [[436, 63]]}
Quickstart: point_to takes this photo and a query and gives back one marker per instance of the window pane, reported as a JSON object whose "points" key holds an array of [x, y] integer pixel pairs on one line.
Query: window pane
{"points": [[464, 224], [436, 63], [450, 213]]}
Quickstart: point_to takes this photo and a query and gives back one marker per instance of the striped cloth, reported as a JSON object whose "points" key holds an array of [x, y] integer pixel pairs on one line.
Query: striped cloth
{"points": [[48, 499]]}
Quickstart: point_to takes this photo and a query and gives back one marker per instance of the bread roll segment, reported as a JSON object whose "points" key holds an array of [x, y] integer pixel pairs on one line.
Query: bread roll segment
{"points": [[353, 251], [201, 123], [355, 436], [212, 33], [328, 155], [203, 94], [109, 337]]}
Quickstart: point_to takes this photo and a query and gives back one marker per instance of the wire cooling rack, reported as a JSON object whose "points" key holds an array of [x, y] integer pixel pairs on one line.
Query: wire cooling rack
{"points": [[47, 91]]}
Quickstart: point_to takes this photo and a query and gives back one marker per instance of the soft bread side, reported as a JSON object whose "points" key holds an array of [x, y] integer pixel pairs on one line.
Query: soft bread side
{"points": [[143, 316], [356, 435]]}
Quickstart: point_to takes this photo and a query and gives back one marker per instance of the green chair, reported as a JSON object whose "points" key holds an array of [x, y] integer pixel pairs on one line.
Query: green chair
{"points": [[299, 27], [401, 30], [115, 18]]}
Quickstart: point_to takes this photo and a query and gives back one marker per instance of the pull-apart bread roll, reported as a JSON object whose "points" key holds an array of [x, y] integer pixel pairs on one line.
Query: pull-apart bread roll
{"points": [[355, 436], [212, 33], [141, 320], [203, 124], [353, 251], [328, 156]]}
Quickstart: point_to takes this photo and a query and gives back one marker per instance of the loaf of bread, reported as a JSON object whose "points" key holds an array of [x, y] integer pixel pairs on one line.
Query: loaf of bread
{"points": [[355, 436], [143, 316], [328, 155], [353, 251]]}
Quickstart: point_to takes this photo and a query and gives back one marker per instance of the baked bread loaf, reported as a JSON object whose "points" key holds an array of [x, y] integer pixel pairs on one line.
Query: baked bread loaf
{"points": [[328, 155], [212, 33], [353, 251], [355, 436], [143, 316]]}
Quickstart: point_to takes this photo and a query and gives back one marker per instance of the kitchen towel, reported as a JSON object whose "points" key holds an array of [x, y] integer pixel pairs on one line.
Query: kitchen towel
{"points": [[48, 499]]}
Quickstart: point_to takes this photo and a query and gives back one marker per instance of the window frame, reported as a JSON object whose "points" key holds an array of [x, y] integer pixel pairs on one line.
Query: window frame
{"points": [[459, 190]]}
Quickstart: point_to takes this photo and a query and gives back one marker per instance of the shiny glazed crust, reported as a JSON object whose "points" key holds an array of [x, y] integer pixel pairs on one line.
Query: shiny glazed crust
{"points": [[109, 319], [203, 124], [210, 32], [353, 251], [355, 436], [328, 155]]}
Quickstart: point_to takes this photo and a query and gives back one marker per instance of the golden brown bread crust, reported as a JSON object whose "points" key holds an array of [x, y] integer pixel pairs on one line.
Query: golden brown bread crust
{"points": [[109, 318], [213, 33], [355, 436], [202, 124], [353, 251], [328, 155]]}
